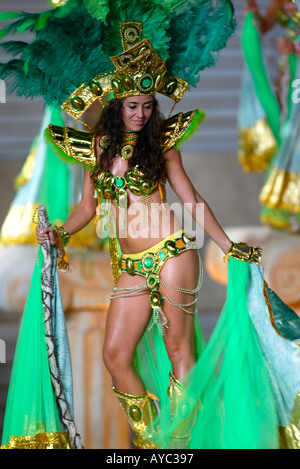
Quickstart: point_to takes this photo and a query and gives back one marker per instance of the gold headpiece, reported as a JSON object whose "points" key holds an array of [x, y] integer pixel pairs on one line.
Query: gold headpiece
{"points": [[139, 70]]}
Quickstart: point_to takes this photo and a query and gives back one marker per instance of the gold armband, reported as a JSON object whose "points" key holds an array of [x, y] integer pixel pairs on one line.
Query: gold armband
{"points": [[244, 252]]}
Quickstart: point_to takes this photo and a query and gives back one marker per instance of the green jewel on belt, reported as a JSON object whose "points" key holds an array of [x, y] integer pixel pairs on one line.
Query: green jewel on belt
{"points": [[152, 281], [149, 261]]}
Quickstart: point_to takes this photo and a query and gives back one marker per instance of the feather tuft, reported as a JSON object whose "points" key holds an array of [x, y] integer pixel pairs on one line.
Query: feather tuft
{"points": [[74, 43]]}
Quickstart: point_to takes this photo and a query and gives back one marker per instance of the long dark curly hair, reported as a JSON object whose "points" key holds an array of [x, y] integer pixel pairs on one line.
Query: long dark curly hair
{"points": [[148, 150]]}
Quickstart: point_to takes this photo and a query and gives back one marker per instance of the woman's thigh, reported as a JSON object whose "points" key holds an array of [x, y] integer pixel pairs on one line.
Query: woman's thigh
{"points": [[127, 318], [181, 273]]}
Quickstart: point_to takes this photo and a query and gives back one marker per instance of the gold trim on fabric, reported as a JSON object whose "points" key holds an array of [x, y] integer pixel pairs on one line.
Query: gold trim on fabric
{"points": [[154, 248], [256, 145], [282, 191], [290, 434], [76, 144], [18, 227], [59, 440], [270, 308], [274, 221]]}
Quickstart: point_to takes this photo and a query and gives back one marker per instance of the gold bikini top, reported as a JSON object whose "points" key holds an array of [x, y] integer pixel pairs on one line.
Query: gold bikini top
{"points": [[109, 186], [79, 146]]}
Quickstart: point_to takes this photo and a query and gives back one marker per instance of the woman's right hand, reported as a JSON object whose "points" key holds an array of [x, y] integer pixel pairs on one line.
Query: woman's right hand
{"points": [[43, 234]]}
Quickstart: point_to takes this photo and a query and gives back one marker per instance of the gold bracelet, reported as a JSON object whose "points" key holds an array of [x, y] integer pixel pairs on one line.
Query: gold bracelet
{"points": [[244, 252], [63, 234]]}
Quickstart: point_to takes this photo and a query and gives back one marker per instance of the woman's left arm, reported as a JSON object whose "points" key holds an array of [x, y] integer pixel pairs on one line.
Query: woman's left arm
{"points": [[184, 189]]}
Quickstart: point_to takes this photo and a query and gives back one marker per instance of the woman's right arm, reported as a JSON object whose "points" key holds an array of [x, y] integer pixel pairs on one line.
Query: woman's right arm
{"points": [[79, 218], [267, 21]]}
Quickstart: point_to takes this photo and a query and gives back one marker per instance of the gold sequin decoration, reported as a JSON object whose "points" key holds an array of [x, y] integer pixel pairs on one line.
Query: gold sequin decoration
{"points": [[272, 319], [18, 227], [290, 434], [59, 440], [282, 190], [187, 406], [114, 258], [256, 145], [141, 414]]}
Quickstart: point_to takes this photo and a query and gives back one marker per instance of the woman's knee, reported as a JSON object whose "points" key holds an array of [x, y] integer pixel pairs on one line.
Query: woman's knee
{"points": [[179, 348], [115, 358]]}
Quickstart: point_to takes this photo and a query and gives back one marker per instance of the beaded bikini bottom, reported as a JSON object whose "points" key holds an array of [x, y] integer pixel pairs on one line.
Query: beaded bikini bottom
{"points": [[148, 264]]}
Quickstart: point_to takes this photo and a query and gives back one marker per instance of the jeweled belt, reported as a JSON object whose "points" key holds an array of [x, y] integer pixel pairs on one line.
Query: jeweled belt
{"points": [[150, 263]]}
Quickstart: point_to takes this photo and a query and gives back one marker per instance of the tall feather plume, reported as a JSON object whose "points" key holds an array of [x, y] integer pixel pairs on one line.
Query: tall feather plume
{"points": [[197, 36], [74, 43]]}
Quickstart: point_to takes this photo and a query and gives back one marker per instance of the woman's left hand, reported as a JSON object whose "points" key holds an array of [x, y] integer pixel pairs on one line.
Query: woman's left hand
{"points": [[43, 234]]}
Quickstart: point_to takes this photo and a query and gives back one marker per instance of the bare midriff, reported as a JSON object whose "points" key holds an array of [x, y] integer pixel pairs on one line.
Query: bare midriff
{"points": [[147, 221]]}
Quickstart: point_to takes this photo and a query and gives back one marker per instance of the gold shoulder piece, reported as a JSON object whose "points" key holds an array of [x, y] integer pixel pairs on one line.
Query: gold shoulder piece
{"points": [[176, 128], [75, 144]]}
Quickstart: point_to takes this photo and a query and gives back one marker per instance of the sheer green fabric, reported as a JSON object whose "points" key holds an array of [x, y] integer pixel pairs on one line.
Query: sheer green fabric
{"points": [[31, 407], [55, 174], [228, 389]]}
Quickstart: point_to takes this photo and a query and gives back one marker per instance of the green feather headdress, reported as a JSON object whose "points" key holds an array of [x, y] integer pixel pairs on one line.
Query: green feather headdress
{"points": [[69, 61]]}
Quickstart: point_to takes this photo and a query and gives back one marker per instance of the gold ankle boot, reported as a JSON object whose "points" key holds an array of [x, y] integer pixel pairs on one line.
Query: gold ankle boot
{"points": [[184, 405], [141, 412]]}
